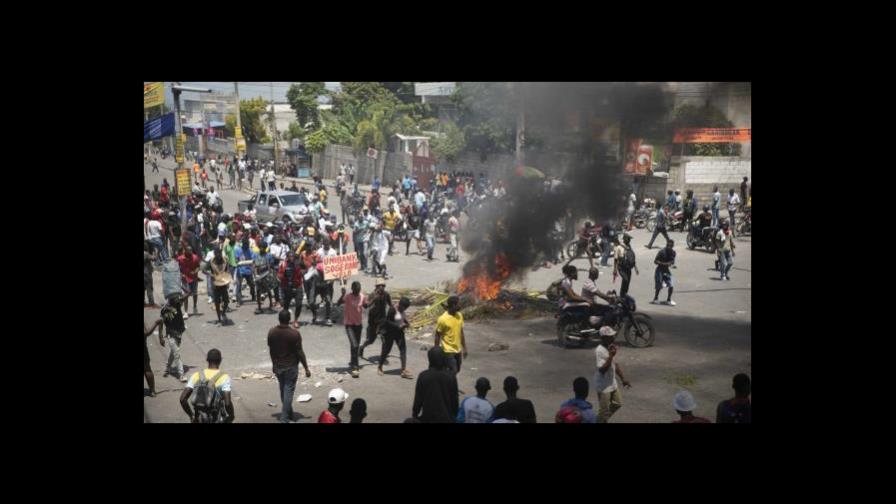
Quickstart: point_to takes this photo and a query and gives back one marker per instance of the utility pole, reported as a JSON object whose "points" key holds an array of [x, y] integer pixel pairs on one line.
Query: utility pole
{"points": [[238, 132], [179, 129], [520, 124], [274, 127]]}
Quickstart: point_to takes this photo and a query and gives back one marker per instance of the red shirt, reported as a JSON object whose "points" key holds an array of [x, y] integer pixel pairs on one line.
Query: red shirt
{"points": [[163, 194], [297, 276], [327, 417], [187, 265]]}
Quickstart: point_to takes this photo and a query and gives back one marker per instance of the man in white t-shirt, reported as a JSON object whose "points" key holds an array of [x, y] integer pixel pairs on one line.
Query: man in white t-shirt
{"points": [[154, 236], [476, 409], [605, 377], [261, 174], [271, 180], [733, 205]]}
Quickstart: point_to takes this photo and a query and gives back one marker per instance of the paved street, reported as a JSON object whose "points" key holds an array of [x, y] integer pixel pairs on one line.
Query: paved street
{"points": [[701, 343]]}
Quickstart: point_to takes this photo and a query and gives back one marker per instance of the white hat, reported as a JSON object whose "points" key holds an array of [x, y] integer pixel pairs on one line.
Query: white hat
{"points": [[607, 331], [684, 401], [337, 396]]}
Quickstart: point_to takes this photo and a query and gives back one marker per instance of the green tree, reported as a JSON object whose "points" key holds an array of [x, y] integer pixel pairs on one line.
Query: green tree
{"points": [[251, 112], [486, 113], [404, 91], [294, 131], [302, 99], [449, 146], [707, 116]]}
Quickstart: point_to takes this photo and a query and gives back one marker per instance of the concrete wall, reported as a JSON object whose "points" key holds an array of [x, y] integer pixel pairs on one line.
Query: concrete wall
{"points": [[700, 174]]}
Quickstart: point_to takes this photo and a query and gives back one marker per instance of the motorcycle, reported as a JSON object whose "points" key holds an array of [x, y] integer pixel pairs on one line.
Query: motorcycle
{"points": [[637, 328], [674, 221], [745, 226], [642, 215], [704, 237]]}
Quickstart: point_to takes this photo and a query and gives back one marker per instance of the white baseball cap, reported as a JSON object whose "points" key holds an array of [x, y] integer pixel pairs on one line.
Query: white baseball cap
{"points": [[684, 401], [337, 396]]}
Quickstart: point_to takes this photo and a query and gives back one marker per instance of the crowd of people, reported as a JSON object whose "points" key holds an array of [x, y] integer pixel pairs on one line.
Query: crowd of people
{"points": [[281, 263]]}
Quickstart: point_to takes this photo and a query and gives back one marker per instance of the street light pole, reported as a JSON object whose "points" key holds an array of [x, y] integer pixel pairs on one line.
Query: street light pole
{"points": [[274, 124], [176, 91]]}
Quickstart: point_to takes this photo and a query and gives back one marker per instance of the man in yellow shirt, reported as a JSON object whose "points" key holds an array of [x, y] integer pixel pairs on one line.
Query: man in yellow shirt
{"points": [[210, 408], [390, 222], [449, 334]]}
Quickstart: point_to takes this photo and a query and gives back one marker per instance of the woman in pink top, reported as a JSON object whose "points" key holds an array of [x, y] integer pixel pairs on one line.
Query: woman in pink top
{"points": [[354, 306]]}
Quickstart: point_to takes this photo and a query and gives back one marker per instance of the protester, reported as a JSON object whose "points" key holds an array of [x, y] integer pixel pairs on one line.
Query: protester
{"points": [[245, 258], [336, 400], [378, 304], [147, 277], [285, 344], [514, 408], [453, 228], [435, 396], [392, 330], [685, 405], [663, 275], [212, 402], [733, 204], [661, 218], [725, 247], [580, 389], [263, 277], [189, 270], [354, 307], [608, 394], [291, 275], [624, 261], [147, 369], [477, 409], [449, 335], [172, 331], [743, 190], [716, 204], [221, 279], [358, 412], [738, 409], [429, 229]]}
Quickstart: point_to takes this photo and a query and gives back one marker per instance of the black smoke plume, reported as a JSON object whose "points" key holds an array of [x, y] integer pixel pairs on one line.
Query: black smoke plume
{"points": [[569, 121]]}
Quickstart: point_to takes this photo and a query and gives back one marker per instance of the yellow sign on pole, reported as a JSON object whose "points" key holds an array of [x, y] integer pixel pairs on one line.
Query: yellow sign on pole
{"points": [[153, 94], [179, 150], [240, 141], [183, 181]]}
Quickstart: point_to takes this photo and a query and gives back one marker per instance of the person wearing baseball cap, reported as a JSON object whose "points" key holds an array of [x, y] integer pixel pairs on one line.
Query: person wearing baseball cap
{"points": [[476, 409], [685, 405], [336, 399], [608, 396]]}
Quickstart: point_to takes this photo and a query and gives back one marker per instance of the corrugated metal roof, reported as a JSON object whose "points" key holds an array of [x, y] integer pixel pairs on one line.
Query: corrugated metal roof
{"points": [[434, 88], [403, 137]]}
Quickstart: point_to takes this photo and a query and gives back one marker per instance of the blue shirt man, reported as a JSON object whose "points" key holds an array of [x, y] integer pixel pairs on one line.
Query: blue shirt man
{"points": [[241, 255]]}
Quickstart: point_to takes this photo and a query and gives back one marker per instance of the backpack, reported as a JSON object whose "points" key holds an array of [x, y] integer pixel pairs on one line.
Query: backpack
{"points": [[553, 292], [628, 259], [207, 401]]}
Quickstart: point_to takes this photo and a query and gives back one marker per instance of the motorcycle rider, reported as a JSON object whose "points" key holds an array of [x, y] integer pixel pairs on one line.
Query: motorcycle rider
{"points": [[569, 300], [703, 221], [590, 291], [678, 206]]}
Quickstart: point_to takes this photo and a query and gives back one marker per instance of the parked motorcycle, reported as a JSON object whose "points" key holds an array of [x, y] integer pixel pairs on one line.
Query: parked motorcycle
{"points": [[745, 226], [637, 328], [704, 237], [674, 221], [642, 215]]}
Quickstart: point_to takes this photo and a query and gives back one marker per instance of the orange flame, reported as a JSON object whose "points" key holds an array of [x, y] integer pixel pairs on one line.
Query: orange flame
{"points": [[482, 284]]}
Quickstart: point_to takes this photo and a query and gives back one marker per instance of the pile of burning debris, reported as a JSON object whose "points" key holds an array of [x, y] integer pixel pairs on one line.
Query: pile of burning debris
{"points": [[478, 301]]}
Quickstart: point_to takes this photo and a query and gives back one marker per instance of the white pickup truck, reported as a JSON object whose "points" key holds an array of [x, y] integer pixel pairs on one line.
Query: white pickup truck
{"points": [[276, 206]]}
